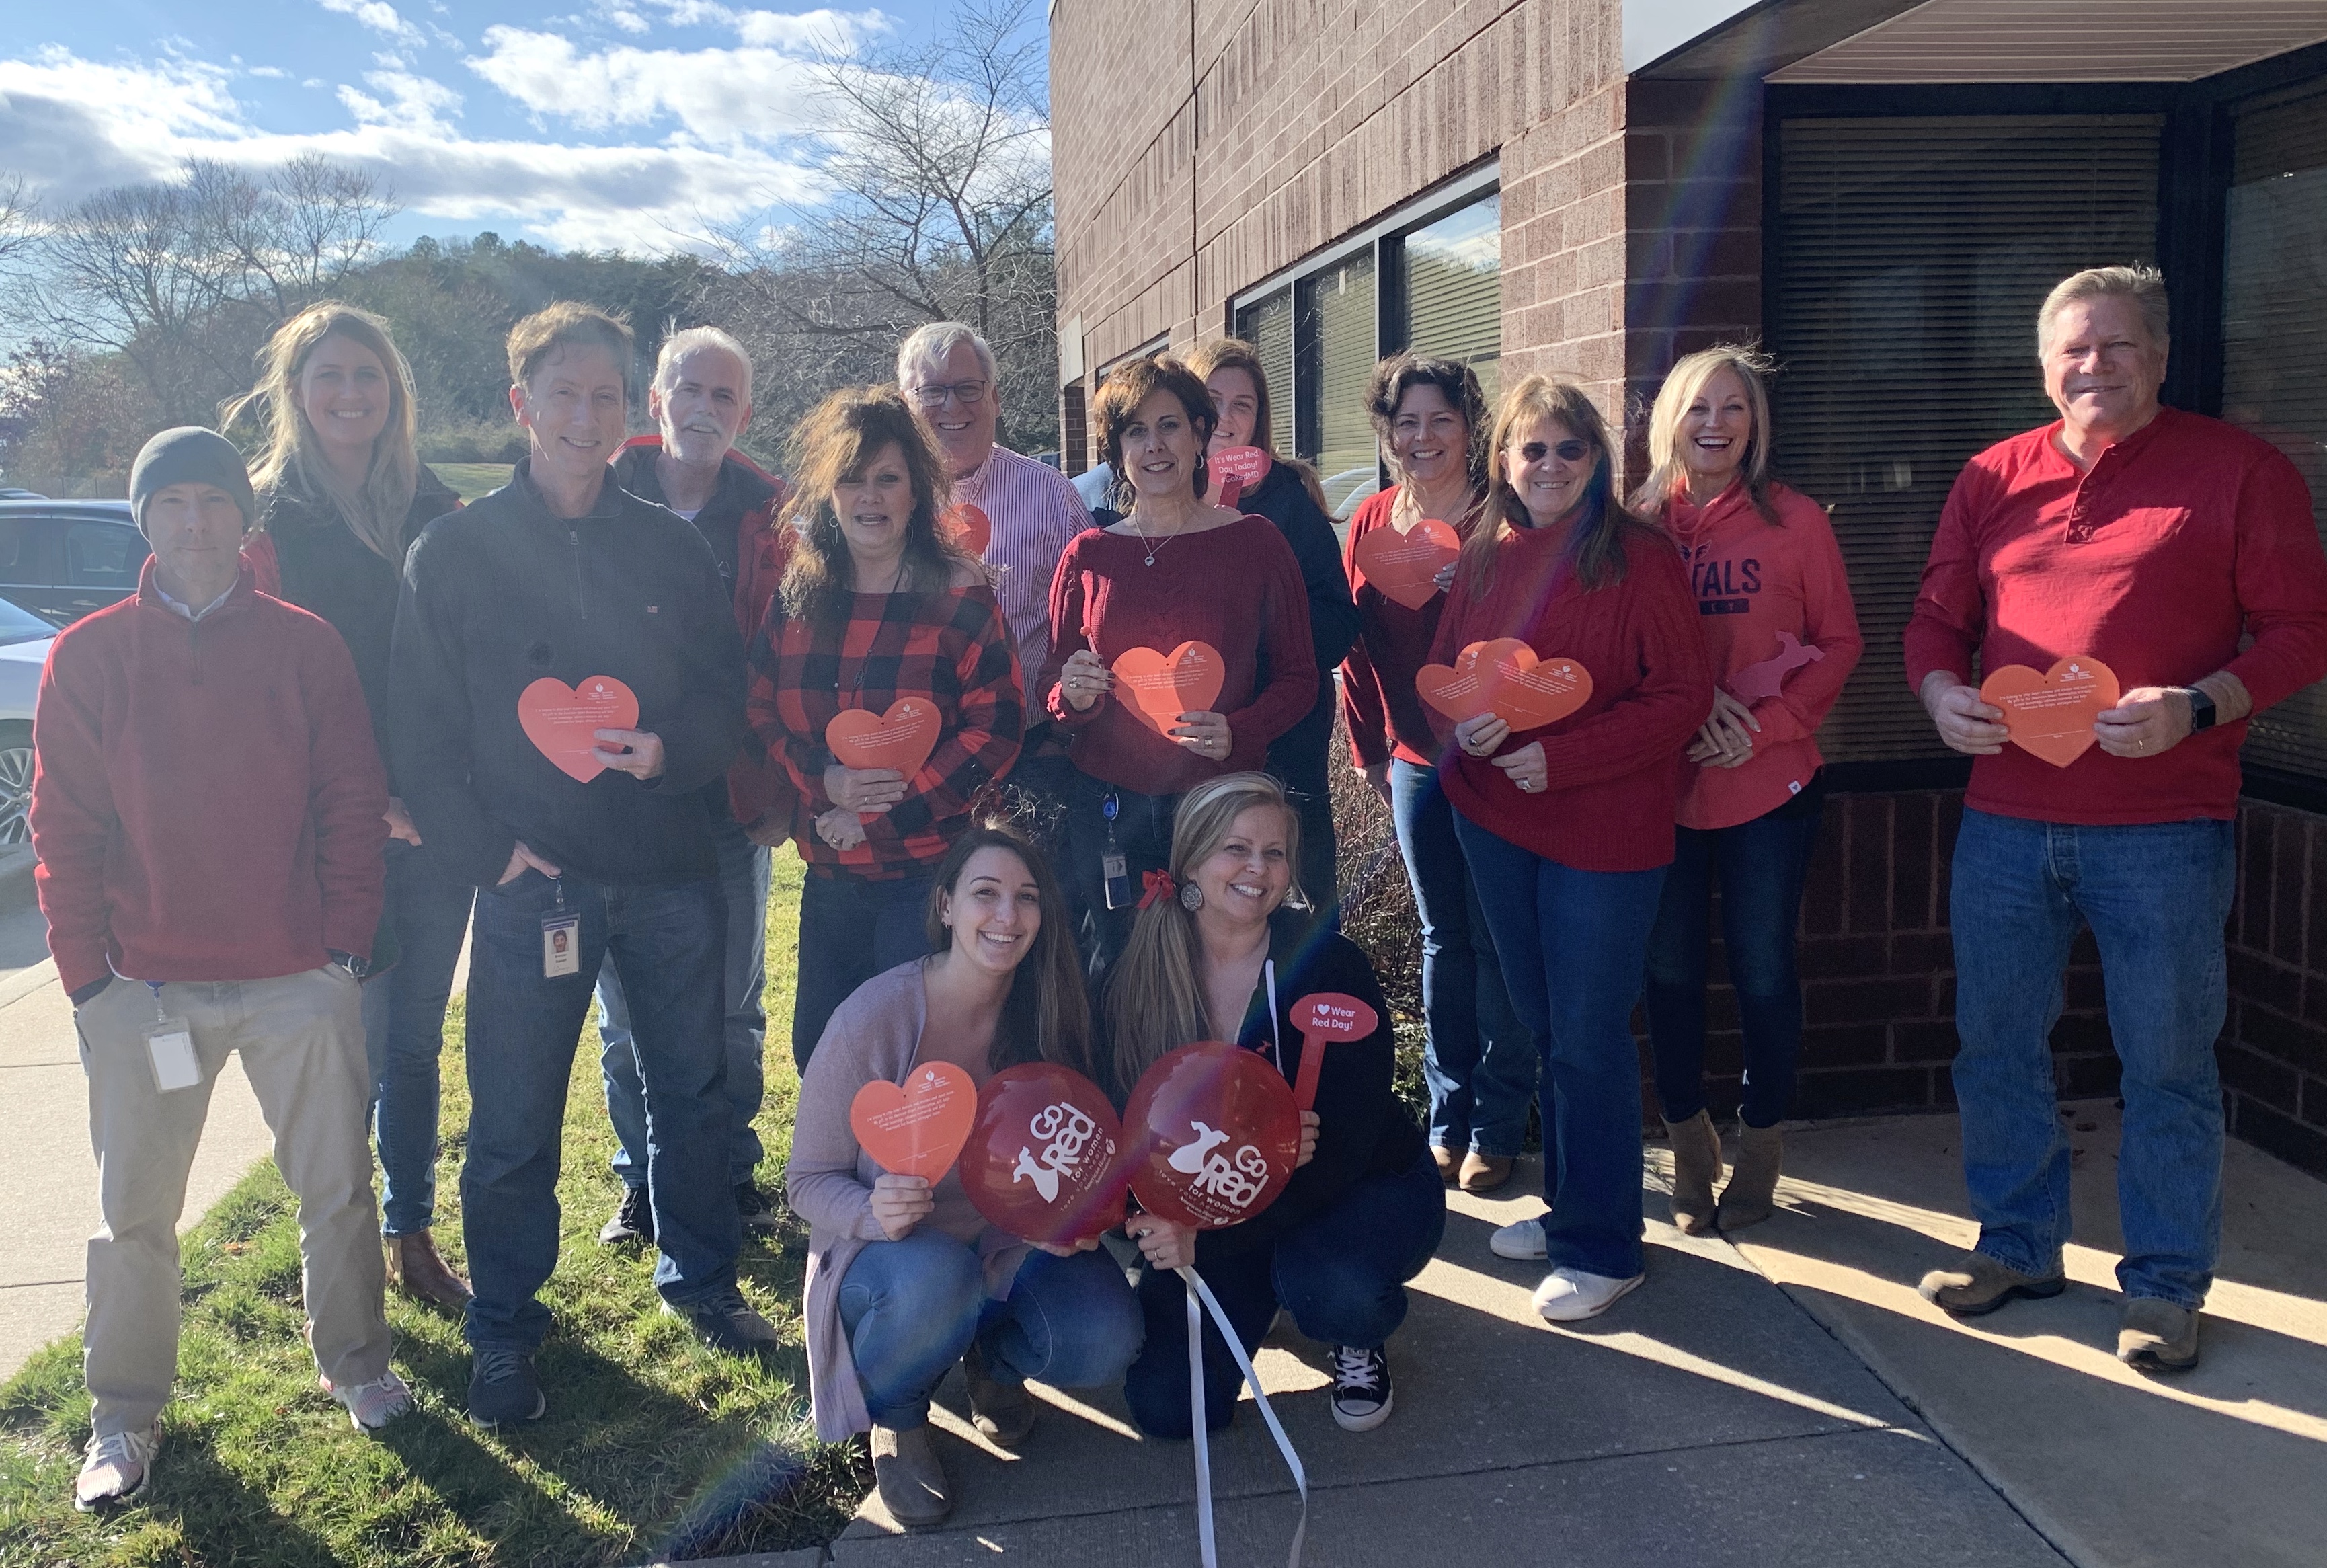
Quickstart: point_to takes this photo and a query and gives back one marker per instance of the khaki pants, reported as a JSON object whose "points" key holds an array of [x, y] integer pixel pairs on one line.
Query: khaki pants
{"points": [[301, 1041]]}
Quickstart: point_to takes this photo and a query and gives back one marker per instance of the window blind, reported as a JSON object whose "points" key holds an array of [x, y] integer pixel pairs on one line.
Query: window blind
{"points": [[1336, 343], [2274, 346], [1910, 257], [1268, 328], [1453, 290]]}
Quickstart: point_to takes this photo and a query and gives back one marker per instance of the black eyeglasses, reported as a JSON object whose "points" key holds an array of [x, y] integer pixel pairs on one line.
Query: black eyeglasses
{"points": [[969, 394], [1566, 451]]}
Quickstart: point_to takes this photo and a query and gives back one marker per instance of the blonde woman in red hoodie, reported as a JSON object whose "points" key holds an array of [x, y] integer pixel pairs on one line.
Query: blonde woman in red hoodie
{"points": [[1782, 636]]}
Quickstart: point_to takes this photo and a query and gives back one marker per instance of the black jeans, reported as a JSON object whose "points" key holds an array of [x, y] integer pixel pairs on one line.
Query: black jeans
{"points": [[1299, 761], [1143, 835], [851, 929], [1342, 1273]]}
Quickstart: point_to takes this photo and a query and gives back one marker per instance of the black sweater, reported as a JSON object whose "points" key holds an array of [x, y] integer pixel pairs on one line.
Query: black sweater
{"points": [[326, 570], [1362, 1129], [505, 593]]}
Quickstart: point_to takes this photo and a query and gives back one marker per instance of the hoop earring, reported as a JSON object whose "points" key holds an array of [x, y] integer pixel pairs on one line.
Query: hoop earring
{"points": [[1203, 473], [1192, 897]]}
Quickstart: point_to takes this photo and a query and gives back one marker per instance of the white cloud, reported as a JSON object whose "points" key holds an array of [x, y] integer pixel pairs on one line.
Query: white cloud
{"points": [[628, 21], [73, 126], [376, 14], [722, 96], [274, 72], [807, 32]]}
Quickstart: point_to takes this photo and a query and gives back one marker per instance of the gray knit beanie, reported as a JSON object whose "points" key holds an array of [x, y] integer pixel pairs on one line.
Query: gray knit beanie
{"points": [[191, 456]]}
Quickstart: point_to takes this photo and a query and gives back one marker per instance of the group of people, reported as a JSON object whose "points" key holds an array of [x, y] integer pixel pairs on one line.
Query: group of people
{"points": [[280, 823]]}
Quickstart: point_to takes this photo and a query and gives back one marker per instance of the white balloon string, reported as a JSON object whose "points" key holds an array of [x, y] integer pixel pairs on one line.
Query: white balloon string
{"points": [[1198, 1289]]}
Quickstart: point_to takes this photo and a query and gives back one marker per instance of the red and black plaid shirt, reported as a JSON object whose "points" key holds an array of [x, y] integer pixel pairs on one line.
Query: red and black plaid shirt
{"points": [[952, 648]]}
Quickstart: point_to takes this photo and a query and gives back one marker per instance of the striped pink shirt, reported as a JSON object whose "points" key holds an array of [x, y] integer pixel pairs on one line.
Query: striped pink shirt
{"points": [[1035, 511]]}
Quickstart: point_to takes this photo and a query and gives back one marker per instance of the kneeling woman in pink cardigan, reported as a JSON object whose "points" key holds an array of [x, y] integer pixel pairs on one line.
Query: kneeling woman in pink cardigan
{"points": [[905, 1278]]}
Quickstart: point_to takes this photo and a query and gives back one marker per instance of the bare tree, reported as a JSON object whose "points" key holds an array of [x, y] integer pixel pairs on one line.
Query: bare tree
{"points": [[19, 219], [939, 209]]}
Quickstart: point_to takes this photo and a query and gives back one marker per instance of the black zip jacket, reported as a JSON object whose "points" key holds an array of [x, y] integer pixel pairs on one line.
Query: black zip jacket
{"points": [[498, 596], [324, 568]]}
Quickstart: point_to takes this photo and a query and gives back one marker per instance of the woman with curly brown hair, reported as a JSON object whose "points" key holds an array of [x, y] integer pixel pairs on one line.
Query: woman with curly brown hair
{"points": [[878, 606]]}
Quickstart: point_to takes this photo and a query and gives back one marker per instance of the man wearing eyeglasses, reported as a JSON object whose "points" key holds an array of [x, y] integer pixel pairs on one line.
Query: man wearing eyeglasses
{"points": [[1033, 511]]}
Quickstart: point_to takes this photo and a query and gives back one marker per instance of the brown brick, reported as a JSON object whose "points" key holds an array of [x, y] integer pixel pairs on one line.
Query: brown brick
{"points": [[2290, 859], [1855, 1091], [2274, 1133], [2298, 1044], [1840, 957], [1917, 1042], [2251, 1073], [2085, 1077], [2256, 978], [1846, 1045], [1923, 952], [2084, 987], [2253, 879], [1865, 1001], [1912, 820], [1869, 869]]}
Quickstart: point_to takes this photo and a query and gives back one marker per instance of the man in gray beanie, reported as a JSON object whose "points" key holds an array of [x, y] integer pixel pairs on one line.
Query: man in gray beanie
{"points": [[209, 811]]}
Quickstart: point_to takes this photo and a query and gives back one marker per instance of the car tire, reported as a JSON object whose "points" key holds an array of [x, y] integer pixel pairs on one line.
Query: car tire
{"points": [[15, 782]]}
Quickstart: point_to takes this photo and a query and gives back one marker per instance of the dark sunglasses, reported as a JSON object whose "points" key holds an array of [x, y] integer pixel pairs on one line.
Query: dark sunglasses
{"points": [[1569, 450]]}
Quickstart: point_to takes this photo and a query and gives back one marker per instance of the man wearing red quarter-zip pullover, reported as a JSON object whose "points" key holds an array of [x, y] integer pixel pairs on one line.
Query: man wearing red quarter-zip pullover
{"points": [[2156, 542]]}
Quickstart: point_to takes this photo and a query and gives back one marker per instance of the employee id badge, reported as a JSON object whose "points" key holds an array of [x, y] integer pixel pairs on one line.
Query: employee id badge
{"points": [[561, 946], [170, 1045]]}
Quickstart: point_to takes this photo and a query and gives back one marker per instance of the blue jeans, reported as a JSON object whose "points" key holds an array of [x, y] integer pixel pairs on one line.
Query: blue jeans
{"points": [[1575, 943], [1297, 758], [744, 879], [851, 929], [1341, 1272], [1761, 865], [1143, 834], [913, 1308], [2156, 898], [668, 941], [404, 1030], [1479, 1058]]}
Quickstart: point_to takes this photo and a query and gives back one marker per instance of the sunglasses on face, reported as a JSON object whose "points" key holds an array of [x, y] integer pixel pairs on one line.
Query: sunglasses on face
{"points": [[1566, 451]]}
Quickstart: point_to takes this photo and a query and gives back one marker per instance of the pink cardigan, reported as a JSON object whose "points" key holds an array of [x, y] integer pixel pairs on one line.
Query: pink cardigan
{"points": [[876, 1033]]}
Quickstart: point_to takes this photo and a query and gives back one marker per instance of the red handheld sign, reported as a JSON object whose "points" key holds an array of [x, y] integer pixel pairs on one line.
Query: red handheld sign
{"points": [[1325, 1019]]}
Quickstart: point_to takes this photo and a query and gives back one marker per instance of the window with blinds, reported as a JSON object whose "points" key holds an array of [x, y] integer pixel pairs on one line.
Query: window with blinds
{"points": [[2275, 345], [1267, 326], [1909, 259], [1335, 340], [1453, 290]]}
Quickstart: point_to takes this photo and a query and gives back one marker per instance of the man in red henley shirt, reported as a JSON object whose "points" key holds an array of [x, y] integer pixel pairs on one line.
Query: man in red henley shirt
{"points": [[2158, 542]]}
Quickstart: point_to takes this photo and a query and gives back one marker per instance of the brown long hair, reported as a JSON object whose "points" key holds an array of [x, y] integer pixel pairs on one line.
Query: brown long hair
{"points": [[1595, 546], [1119, 397], [832, 445], [1154, 998], [290, 454], [1047, 1016], [1236, 354], [1690, 376], [1456, 382]]}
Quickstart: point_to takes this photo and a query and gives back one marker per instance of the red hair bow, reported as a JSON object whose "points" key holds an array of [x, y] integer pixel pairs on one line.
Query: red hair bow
{"points": [[1155, 885]]}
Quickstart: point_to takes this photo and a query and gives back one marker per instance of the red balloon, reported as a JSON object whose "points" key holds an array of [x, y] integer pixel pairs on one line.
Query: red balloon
{"points": [[1214, 1133], [1043, 1160]]}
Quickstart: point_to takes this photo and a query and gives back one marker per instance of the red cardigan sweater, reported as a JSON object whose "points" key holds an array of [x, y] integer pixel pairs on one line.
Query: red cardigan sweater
{"points": [[207, 801], [1237, 587], [1386, 717], [1613, 767]]}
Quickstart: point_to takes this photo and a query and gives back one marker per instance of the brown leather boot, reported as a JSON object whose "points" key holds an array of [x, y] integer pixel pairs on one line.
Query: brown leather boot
{"points": [[419, 1273], [1751, 1195], [1696, 1170], [1484, 1172], [909, 1476], [1448, 1161], [1003, 1412]]}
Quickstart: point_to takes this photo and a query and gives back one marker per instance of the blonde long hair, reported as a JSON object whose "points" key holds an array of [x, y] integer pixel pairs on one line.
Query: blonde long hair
{"points": [[290, 454], [1154, 1000], [1668, 475], [1595, 546]]}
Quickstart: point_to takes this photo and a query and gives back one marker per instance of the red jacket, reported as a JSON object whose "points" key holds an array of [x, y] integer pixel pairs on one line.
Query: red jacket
{"points": [[1613, 767], [2189, 548], [208, 803]]}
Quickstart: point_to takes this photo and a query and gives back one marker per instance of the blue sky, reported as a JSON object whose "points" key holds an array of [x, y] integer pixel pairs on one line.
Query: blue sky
{"points": [[629, 123]]}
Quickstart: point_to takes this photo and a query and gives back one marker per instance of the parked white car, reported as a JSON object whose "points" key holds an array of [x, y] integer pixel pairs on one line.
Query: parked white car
{"points": [[24, 640]]}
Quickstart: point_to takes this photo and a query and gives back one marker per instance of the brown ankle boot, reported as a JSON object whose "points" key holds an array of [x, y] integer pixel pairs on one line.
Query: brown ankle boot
{"points": [[1750, 1196], [1696, 1170], [909, 1478], [414, 1265]]}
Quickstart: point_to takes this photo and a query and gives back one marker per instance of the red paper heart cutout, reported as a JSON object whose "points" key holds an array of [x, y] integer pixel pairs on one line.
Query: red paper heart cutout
{"points": [[902, 738], [971, 528], [2050, 715], [1326, 1018], [916, 1128], [1158, 687], [1405, 566], [561, 720], [1505, 678]]}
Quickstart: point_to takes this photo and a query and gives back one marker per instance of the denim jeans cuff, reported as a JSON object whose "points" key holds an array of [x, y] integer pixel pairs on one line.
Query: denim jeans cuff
{"points": [[2038, 1270]]}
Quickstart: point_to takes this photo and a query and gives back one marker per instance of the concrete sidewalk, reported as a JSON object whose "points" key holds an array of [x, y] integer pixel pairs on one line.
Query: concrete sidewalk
{"points": [[1788, 1400]]}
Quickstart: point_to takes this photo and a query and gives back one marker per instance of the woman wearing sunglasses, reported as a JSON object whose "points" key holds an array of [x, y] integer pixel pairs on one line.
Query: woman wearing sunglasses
{"points": [[1567, 828]]}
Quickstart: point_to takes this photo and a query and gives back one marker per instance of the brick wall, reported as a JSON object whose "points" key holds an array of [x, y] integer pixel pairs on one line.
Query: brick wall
{"points": [[2274, 1049]]}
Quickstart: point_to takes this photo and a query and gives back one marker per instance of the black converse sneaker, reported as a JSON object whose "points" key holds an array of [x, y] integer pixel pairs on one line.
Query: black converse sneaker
{"points": [[1362, 1391]]}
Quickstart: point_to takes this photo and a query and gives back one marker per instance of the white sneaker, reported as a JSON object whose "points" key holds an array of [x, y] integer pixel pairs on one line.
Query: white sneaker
{"points": [[1523, 1241], [116, 1468], [372, 1405], [1569, 1295]]}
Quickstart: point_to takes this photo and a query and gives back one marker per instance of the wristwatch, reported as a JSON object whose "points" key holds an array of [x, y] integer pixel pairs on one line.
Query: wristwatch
{"points": [[357, 969], [2201, 709]]}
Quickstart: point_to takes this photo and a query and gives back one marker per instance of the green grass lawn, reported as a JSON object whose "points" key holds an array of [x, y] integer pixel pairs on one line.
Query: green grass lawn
{"points": [[472, 479], [651, 1444]]}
